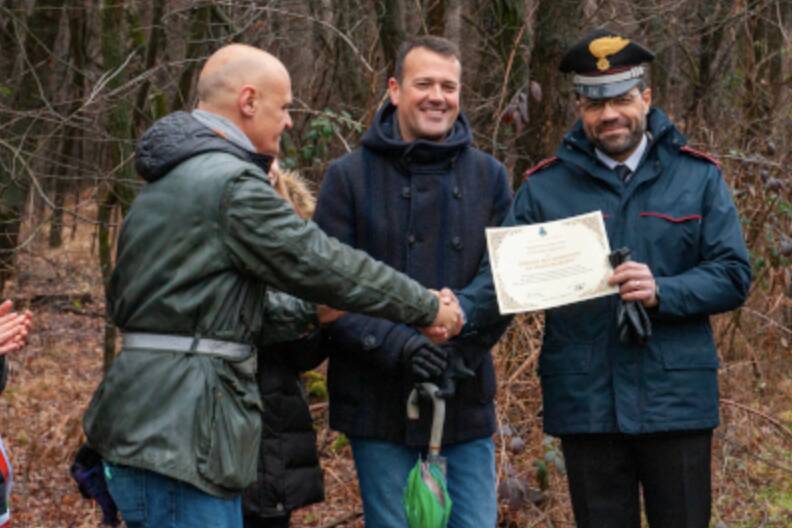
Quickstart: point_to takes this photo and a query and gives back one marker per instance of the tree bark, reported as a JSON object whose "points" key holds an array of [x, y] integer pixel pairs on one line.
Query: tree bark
{"points": [[555, 30], [199, 28], [71, 134], [390, 22], [453, 21], [118, 125]]}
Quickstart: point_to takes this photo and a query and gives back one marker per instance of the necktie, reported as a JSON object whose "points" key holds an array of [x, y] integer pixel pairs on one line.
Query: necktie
{"points": [[624, 172]]}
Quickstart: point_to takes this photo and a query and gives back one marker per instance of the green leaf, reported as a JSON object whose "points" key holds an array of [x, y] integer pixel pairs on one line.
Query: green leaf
{"points": [[339, 443], [542, 478]]}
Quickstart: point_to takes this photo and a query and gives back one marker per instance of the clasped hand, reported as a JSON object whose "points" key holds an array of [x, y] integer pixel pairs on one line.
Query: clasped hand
{"points": [[449, 321]]}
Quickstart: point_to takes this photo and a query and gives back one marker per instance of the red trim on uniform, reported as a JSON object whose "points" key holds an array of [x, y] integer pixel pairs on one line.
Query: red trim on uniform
{"points": [[701, 154], [675, 219], [541, 165]]}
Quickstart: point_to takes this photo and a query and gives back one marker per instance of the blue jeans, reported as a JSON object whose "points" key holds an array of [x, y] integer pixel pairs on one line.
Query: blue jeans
{"points": [[150, 500], [382, 469]]}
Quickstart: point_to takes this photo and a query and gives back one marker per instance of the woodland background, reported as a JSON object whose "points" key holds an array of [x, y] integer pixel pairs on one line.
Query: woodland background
{"points": [[81, 79]]}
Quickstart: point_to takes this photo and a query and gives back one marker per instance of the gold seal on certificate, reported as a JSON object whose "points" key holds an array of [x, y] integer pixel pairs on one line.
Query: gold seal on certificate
{"points": [[540, 266]]}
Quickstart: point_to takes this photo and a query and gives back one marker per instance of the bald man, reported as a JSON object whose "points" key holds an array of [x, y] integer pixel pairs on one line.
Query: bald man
{"points": [[177, 417]]}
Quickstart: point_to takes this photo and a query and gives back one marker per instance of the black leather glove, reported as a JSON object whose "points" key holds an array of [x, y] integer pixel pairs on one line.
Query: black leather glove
{"points": [[632, 320], [456, 371], [425, 359]]}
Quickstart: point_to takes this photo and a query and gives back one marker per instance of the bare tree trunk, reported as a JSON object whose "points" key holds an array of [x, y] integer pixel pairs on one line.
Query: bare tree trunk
{"points": [[156, 38], [711, 16], [42, 28], [453, 21], [555, 30], [199, 28], [118, 126], [77, 52], [390, 21], [435, 17]]}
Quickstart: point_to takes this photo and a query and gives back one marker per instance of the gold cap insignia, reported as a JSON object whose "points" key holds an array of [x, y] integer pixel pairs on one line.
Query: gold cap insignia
{"points": [[604, 46]]}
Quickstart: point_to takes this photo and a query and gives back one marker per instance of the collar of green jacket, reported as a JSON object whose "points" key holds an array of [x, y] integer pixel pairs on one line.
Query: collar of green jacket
{"points": [[178, 137]]}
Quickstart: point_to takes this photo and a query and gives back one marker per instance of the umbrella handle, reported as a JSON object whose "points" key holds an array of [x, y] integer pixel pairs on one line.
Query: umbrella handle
{"points": [[438, 416]]}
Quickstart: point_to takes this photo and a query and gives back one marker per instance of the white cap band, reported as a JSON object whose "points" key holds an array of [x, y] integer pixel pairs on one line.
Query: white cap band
{"points": [[598, 80]]}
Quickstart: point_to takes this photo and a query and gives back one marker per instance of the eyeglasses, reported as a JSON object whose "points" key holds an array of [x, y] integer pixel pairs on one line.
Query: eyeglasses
{"points": [[598, 105]]}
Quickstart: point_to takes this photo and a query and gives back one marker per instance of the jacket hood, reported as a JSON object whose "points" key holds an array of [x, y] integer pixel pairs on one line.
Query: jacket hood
{"points": [[661, 130], [384, 137], [178, 137]]}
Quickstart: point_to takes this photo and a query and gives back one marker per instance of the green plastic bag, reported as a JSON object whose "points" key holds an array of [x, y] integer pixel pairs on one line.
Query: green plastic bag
{"points": [[426, 499]]}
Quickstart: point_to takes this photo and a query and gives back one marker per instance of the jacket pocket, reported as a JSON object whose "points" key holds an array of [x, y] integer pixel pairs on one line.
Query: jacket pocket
{"points": [[684, 355], [680, 387], [229, 428], [671, 238], [565, 358]]}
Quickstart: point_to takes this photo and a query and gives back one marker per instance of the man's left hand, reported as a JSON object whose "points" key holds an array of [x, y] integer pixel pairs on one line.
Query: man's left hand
{"points": [[636, 283]]}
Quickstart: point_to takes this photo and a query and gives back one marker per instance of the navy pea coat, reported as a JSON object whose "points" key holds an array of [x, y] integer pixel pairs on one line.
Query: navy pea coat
{"points": [[676, 215], [420, 207]]}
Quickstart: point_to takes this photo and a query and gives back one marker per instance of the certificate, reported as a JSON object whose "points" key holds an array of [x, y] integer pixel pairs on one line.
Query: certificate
{"points": [[540, 266]]}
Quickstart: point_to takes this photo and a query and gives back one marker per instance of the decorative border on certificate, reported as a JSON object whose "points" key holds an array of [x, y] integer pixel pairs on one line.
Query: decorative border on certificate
{"points": [[545, 265]]}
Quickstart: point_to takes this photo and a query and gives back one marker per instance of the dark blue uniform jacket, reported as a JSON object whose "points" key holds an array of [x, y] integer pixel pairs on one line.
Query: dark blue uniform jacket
{"points": [[677, 216], [420, 207]]}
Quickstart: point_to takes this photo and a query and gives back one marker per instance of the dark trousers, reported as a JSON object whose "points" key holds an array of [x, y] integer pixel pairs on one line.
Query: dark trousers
{"points": [[606, 470], [252, 521]]}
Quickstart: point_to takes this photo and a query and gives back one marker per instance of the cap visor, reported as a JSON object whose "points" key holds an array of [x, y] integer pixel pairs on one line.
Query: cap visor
{"points": [[606, 91]]}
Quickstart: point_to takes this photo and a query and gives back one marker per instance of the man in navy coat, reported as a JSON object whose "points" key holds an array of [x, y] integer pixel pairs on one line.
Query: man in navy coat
{"points": [[633, 416], [418, 196]]}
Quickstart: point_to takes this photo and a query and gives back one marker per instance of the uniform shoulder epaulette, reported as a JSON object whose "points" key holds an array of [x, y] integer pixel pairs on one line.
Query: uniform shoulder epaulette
{"points": [[701, 154], [539, 166]]}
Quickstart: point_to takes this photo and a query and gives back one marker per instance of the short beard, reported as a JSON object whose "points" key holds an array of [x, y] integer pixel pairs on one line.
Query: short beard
{"points": [[632, 141]]}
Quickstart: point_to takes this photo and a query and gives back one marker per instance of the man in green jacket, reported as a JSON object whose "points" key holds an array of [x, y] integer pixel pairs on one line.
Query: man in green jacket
{"points": [[177, 417]]}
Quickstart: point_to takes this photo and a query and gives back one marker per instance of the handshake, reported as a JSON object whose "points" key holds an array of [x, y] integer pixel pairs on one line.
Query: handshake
{"points": [[421, 354], [447, 324], [439, 364], [449, 320]]}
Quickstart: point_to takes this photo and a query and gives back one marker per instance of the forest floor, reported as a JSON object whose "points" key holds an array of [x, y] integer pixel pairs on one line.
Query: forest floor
{"points": [[52, 380]]}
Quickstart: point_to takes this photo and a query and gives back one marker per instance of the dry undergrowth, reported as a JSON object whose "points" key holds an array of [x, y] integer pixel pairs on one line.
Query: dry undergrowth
{"points": [[53, 379]]}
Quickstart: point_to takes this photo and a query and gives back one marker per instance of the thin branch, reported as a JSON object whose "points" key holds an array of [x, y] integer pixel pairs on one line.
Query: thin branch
{"points": [[778, 425]]}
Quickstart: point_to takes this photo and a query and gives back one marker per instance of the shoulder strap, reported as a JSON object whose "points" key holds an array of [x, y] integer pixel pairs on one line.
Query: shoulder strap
{"points": [[539, 166], [700, 154]]}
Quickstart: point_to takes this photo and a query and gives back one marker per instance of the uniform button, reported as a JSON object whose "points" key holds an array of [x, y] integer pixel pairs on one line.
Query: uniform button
{"points": [[411, 239], [456, 243], [369, 341], [406, 192], [457, 193]]}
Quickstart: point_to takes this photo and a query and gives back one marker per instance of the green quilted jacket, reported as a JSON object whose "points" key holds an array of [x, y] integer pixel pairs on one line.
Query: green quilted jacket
{"points": [[202, 243]]}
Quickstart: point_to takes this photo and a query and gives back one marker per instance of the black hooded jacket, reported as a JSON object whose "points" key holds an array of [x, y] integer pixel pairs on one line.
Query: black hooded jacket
{"points": [[420, 207]]}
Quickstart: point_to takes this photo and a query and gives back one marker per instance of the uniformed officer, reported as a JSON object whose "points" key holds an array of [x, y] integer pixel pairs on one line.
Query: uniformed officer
{"points": [[630, 415]]}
